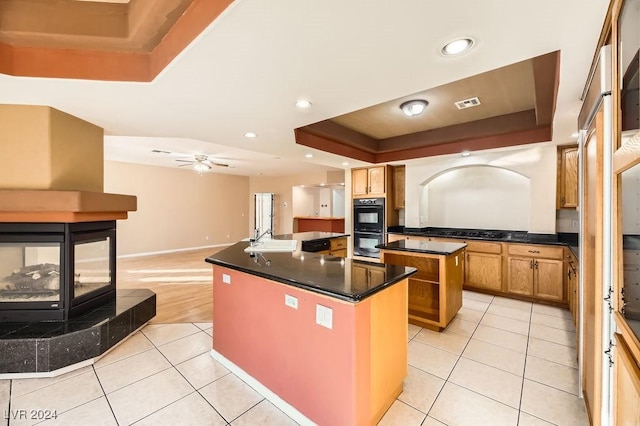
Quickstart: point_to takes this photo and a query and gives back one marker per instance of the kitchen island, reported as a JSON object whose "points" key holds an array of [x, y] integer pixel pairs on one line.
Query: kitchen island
{"points": [[325, 336], [435, 291]]}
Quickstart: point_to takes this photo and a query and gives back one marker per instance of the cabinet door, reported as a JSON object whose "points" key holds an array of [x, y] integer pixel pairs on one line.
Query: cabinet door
{"points": [[398, 187], [520, 275], [484, 271], [626, 391], [548, 279], [359, 181], [568, 178], [376, 181]]}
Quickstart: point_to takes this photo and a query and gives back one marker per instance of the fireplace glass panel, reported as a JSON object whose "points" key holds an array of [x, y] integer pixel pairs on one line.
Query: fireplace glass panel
{"points": [[92, 266], [29, 272]]}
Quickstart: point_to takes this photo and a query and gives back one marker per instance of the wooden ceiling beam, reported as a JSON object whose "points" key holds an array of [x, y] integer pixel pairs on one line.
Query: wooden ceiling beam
{"points": [[327, 145], [337, 132]]}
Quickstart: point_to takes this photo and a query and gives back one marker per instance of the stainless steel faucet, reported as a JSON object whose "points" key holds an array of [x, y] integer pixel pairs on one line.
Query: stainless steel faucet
{"points": [[257, 236]]}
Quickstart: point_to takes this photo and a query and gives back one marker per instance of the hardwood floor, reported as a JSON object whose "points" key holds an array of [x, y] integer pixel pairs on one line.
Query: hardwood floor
{"points": [[182, 282]]}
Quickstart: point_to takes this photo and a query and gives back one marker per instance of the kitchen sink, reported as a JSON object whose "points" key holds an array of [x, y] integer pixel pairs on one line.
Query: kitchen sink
{"points": [[273, 246]]}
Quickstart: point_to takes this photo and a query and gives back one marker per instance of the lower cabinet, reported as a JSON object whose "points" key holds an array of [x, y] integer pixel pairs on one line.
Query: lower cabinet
{"points": [[483, 271], [626, 385], [520, 279], [536, 271]]}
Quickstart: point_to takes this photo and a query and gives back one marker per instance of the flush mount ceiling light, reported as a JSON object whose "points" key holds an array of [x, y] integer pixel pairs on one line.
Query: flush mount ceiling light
{"points": [[414, 107], [303, 104], [457, 46], [465, 153], [250, 135]]}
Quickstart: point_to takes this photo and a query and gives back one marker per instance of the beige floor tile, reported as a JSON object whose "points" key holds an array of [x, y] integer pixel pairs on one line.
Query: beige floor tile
{"points": [[475, 304], [147, 396], [553, 405], [513, 313], [5, 387], [264, 414], [202, 370], [420, 389], [60, 396], [469, 315], [505, 339], [512, 303], [552, 374], [129, 370], [192, 410], [203, 325], [444, 340], [561, 354], [430, 359], [412, 330], [461, 327], [24, 386], [209, 332], [169, 332], [529, 420], [461, 407], [495, 356], [401, 414], [551, 321], [134, 345], [488, 381], [94, 413], [187, 347], [552, 311], [555, 335], [504, 323], [230, 396], [480, 297], [430, 421]]}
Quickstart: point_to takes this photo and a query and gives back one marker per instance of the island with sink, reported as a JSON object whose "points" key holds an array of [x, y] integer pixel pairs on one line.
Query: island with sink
{"points": [[323, 337], [435, 291]]}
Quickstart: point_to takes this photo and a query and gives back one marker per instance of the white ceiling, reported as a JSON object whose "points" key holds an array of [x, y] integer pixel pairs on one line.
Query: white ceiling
{"points": [[247, 69]]}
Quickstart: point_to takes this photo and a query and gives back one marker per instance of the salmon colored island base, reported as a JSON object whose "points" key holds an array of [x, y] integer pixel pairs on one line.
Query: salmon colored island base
{"points": [[347, 375]]}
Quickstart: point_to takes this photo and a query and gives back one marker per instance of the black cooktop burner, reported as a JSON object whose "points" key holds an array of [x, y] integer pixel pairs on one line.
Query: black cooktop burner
{"points": [[471, 233]]}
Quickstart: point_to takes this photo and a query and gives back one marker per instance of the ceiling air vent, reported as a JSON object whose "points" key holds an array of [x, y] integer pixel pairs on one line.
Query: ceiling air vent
{"points": [[468, 103]]}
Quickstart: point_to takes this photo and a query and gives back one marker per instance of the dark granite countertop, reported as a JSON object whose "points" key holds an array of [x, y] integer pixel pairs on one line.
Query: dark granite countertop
{"points": [[429, 247], [310, 236], [344, 279]]}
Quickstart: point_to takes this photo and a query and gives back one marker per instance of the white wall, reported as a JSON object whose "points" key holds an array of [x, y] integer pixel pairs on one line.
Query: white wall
{"points": [[498, 198], [537, 162]]}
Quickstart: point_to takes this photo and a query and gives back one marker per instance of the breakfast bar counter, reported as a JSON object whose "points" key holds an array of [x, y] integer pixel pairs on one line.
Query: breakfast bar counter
{"points": [[325, 335]]}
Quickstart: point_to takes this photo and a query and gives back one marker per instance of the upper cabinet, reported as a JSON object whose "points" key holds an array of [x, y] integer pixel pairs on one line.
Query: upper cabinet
{"points": [[398, 187], [369, 182], [567, 183]]}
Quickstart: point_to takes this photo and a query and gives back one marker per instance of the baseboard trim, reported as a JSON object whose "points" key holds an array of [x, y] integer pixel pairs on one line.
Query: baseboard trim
{"points": [[280, 403], [150, 253]]}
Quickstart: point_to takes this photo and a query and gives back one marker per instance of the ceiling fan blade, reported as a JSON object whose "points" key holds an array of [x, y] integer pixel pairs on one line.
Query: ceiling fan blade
{"points": [[183, 165], [185, 161], [220, 164]]}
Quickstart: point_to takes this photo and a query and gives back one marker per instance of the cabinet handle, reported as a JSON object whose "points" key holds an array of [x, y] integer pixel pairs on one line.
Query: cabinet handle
{"points": [[531, 264], [562, 201], [535, 264], [534, 251]]}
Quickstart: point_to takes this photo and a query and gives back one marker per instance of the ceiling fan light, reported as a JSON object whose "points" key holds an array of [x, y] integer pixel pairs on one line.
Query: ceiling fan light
{"points": [[201, 167], [414, 107]]}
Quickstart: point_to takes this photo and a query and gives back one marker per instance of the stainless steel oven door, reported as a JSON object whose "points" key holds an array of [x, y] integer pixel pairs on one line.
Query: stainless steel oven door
{"points": [[368, 215], [364, 244]]}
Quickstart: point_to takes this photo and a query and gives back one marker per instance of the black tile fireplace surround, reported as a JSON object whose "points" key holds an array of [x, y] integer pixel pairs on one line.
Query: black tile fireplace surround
{"points": [[55, 271]]}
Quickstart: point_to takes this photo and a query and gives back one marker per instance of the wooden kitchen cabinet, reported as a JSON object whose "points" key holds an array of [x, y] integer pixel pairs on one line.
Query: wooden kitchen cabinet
{"points": [[572, 285], [338, 247], [626, 377], [567, 181], [483, 271], [536, 271], [369, 182], [398, 187]]}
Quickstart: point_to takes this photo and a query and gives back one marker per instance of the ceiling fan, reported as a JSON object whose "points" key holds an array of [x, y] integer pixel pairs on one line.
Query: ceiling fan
{"points": [[200, 163]]}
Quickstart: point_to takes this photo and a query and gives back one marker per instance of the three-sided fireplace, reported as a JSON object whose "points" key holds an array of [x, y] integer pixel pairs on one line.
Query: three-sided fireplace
{"points": [[55, 271]]}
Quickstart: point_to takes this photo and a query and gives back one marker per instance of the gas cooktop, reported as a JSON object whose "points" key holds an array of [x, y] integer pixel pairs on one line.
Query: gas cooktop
{"points": [[468, 233]]}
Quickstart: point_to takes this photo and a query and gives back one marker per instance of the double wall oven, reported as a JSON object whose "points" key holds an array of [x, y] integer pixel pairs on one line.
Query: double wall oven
{"points": [[368, 226]]}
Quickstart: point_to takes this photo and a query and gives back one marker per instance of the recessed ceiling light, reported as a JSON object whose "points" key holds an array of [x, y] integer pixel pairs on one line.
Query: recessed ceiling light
{"points": [[465, 153], [575, 135], [414, 107], [309, 155], [250, 135], [457, 46], [345, 163], [303, 104]]}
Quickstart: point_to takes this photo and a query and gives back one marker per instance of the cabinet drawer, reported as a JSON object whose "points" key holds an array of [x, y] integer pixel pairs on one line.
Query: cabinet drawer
{"points": [[483, 247], [536, 251], [339, 253], [338, 243]]}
